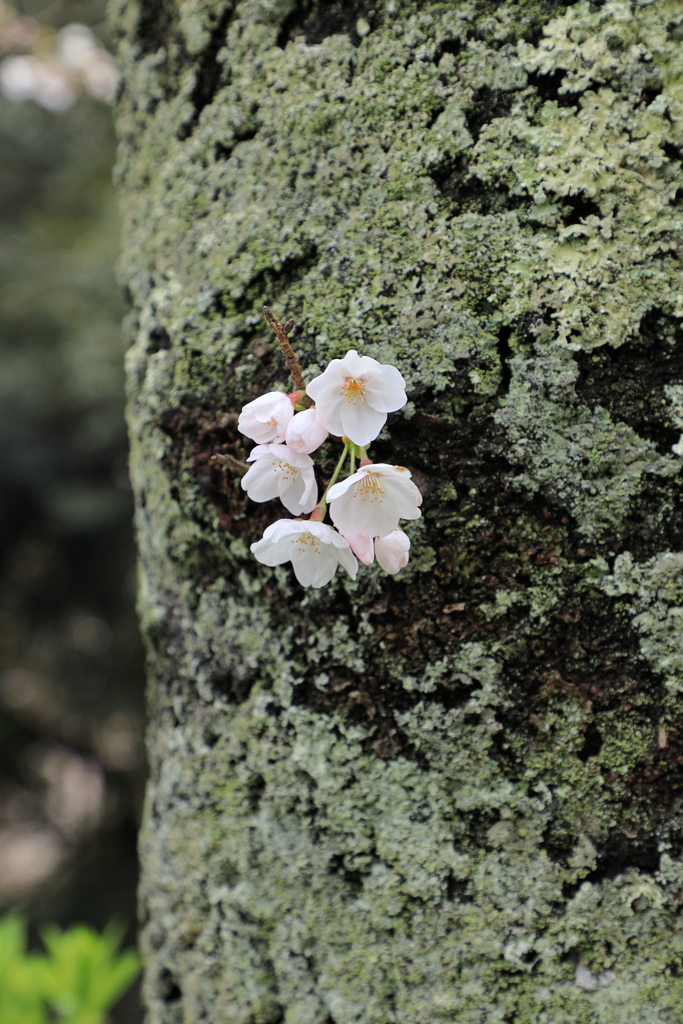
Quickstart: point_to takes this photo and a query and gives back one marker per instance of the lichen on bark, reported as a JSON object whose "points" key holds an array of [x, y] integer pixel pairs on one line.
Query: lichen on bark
{"points": [[453, 795]]}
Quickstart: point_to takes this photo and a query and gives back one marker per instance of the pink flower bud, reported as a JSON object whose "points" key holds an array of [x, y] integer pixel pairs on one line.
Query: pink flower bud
{"points": [[305, 432], [362, 548], [393, 551], [266, 418]]}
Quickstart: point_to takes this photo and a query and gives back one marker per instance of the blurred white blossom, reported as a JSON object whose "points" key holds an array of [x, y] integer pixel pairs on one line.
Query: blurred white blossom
{"points": [[55, 67]]}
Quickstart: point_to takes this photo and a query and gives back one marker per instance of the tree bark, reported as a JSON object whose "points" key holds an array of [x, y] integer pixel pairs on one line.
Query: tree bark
{"points": [[453, 795]]}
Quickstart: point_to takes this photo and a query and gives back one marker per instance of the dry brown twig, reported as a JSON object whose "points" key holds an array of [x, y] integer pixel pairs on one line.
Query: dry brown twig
{"points": [[229, 460], [288, 352]]}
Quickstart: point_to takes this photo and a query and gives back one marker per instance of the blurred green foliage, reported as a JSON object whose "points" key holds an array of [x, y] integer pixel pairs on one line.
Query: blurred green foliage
{"points": [[80, 978]]}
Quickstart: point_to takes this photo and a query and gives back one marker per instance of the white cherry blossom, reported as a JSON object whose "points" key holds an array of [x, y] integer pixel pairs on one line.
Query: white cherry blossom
{"points": [[354, 394], [279, 472], [266, 418], [371, 502], [305, 432], [314, 549], [393, 551]]}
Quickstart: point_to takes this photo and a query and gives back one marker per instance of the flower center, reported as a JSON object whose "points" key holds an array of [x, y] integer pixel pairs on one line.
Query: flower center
{"points": [[353, 390], [369, 489], [288, 472], [308, 541]]}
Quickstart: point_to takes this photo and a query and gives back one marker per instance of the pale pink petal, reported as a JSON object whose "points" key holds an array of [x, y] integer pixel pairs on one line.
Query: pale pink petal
{"points": [[354, 365], [283, 528], [342, 486], [361, 423], [261, 482], [390, 376], [314, 569], [272, 553], [393, 551], [385, 398], [305, 432], [328, 407], [360, 511], [362, 548], [258, 452], [332, 377], [348, 562], [309, 498], [266, 417]]}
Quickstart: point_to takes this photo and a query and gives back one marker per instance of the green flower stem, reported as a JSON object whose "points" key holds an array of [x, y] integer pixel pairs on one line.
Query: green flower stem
{"points": [[319, 511]]}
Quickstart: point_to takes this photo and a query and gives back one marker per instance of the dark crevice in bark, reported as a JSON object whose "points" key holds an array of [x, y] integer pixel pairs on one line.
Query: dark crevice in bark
{"points": [[236, 686], [592, 743], [652, 90], [159, 339], [673, 152], [486, 106], [156, 25], [168, 988], [315, 20], [656, 524], [256, 787], [457, 890], [629, 381], [223, 151], [210, 73], [547, 87], [577, 208], [504, 354], [469, 194], [272, 282], [452, 46], [353, 878], [616, 857]]}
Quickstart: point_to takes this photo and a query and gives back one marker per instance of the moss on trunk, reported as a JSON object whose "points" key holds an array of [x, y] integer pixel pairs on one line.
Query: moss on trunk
{"points": [[453, 795]]}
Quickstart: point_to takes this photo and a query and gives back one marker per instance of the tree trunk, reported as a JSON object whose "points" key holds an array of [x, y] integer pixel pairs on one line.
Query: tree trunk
{"points": [[453, 795]]}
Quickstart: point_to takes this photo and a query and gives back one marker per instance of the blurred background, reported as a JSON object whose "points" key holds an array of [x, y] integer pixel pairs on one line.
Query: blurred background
{"points": [[71, 673]]}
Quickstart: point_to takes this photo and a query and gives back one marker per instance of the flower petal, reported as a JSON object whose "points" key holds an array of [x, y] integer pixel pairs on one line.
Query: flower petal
{"points": [[361, 423], [269, 553], [354, 365], [348, 562], [362, 548], [333, 377], [385, 398], [393, 551], [314, 565], [262, 480], [298, 491]]}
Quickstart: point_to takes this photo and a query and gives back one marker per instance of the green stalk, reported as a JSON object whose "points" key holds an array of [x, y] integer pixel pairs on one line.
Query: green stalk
{"points": [[318, 513], [333, 479]]}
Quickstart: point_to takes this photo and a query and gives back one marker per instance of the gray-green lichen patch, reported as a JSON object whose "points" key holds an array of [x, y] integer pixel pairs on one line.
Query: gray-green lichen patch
{"points": [[657, 589], [455, 795], [577, 457]]}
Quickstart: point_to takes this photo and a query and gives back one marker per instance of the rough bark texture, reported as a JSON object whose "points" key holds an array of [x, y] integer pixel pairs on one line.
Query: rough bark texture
{"points": [[454, 795]]}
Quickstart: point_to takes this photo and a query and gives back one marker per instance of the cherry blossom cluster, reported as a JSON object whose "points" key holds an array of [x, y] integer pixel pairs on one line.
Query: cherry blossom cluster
{"points": [[352, 399], [52, 68]]}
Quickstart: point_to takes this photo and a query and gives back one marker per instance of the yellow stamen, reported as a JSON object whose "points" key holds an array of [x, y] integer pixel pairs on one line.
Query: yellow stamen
{"points": [[308, 539], [369, 489], [354, 390]]}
